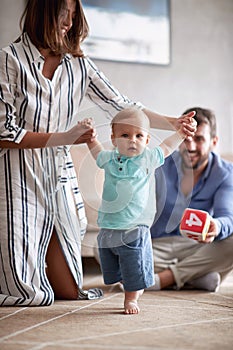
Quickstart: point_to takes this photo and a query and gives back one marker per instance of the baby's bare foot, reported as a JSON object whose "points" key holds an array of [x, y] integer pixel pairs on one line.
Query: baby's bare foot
{"points": [[131, 307], [131, 302]]}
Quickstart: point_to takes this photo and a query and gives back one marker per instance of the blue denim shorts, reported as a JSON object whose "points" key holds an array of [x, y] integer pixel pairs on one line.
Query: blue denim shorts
{"points": [[126, 256]]}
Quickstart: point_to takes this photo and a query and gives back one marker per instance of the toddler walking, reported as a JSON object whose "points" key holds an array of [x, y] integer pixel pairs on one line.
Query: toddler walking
{"points": [[128, 201]]}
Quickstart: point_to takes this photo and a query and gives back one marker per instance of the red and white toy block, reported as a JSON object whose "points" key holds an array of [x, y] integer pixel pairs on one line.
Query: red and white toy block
{"points": [[195, 224]]}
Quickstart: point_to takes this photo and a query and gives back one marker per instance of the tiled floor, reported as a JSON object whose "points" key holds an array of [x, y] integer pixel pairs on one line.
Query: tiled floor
{"points": [[168, 320]]}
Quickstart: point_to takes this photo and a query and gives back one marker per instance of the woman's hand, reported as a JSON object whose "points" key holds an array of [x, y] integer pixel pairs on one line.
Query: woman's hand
{"points": [[83, 132], [186, 124]]}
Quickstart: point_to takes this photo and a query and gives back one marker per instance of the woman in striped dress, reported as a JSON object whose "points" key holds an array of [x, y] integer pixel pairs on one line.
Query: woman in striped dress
{"points": [[44, 77]]}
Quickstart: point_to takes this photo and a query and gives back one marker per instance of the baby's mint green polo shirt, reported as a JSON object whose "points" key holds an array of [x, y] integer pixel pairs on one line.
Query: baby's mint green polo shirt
{"points": [[128, 196]]}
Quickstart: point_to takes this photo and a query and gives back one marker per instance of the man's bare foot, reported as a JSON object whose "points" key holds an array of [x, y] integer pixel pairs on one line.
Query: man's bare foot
{"points": [[131, 302]]}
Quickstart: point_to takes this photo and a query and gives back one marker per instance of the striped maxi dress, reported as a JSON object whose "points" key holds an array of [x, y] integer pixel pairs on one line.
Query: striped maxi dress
{"points": [[38, 187]]}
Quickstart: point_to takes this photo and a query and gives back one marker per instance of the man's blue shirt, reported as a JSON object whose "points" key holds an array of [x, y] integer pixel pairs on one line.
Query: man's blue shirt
{"points": [[213, 193]]}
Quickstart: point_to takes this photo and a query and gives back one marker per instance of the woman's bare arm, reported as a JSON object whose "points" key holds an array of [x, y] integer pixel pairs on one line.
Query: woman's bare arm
{"points": [[78, 134], [159, 121]]}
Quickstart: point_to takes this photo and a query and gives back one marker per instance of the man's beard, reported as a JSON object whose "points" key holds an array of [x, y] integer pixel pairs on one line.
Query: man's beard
{"points": [[189, 165]]}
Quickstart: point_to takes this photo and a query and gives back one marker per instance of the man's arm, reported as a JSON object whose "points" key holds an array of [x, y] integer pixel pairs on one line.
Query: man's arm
{"points": [[222, 206]]}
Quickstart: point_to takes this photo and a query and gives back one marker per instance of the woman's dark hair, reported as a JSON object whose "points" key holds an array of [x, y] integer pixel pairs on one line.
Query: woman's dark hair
{"points": [[205, 116], [41, 21]]}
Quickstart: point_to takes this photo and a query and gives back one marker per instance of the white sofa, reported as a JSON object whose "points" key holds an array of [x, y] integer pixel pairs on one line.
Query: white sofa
{"points": [[90, 179]]}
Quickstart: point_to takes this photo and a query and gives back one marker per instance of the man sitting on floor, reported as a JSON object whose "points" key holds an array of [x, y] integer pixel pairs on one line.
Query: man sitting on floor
{"points": [[198, 178]]}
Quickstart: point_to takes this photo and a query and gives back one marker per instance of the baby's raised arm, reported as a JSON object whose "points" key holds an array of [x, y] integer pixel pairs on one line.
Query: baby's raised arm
{"points": [[171, 143], [94, 145]]}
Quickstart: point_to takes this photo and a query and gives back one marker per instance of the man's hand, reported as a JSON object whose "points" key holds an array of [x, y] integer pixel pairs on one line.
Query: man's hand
{"points": [[212, 232]]}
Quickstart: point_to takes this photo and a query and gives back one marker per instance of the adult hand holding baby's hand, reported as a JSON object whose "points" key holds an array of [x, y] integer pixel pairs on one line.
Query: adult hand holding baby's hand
{"points": [[187, 125], [82, 132]]}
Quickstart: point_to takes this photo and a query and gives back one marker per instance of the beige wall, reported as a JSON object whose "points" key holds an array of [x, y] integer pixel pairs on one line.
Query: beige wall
{"points": [[10, 13], [200, 72]]}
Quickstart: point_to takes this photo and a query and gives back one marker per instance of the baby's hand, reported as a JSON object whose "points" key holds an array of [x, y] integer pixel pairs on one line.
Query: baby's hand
{"points": [[187, 125], [82, 132], [87, 123]]}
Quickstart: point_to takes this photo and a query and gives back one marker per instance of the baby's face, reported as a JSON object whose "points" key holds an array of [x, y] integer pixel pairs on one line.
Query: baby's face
{"points": [[130, 139]]}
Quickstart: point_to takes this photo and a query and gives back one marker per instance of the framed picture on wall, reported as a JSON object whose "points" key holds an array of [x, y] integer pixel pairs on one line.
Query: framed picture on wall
{"points": [[128, 30]]}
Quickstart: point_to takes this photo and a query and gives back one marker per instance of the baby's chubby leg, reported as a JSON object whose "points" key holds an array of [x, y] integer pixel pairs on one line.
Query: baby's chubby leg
{"points": [[131, 301]]}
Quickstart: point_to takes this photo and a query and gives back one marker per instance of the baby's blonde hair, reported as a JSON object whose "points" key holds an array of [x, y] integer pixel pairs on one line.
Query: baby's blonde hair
{"points": [[131, 113]]}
